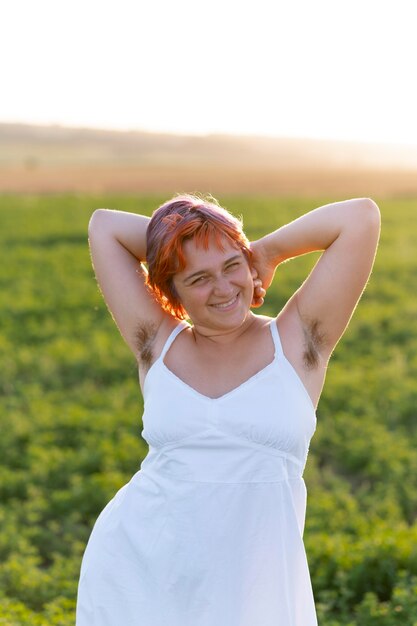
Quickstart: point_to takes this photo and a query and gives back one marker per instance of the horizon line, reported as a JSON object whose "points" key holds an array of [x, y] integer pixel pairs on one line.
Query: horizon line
{"points": [[249, 134]]}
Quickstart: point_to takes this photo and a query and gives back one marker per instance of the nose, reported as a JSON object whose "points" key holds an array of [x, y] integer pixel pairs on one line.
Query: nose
{"points": [[223, 287]]}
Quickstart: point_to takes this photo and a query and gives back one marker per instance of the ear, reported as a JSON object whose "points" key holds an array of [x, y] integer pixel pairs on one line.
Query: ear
{"points": [[253, 272]]}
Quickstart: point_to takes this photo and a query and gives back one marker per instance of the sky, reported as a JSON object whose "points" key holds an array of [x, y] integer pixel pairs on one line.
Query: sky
{"points": [[295, 68]]}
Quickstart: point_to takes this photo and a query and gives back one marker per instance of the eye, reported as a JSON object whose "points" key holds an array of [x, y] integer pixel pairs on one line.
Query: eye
{"points": [[199, 280], [235, 264]]}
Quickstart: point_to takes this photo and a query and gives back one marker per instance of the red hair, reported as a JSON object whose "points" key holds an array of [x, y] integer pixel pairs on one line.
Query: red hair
{"points": [[185, 217]]}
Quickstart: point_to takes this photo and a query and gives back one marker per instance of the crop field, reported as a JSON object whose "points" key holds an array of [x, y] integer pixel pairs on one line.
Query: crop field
{"points": [[70, 413]]}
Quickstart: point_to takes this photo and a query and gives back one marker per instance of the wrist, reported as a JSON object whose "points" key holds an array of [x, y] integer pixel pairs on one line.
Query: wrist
{"points": [[269, 248]]}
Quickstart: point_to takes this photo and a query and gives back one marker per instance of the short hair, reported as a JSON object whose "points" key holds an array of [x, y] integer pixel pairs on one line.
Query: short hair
{"points": [[184, 217]]}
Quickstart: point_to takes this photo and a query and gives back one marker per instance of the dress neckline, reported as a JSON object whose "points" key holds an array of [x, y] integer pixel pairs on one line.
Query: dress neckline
{"points": [[235, 389], [224, 395], [278, 356]]}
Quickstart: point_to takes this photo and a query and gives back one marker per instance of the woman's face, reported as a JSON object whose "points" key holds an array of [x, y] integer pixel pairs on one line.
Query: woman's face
{"points": [[216, 286]]}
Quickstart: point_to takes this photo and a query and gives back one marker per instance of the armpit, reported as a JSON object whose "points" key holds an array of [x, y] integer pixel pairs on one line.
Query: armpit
{"points": [[144, 339], [314, 340]]}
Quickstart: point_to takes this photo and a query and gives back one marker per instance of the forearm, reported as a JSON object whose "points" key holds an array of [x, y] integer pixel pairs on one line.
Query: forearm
{"points": [[317, 229], [128, 228]]}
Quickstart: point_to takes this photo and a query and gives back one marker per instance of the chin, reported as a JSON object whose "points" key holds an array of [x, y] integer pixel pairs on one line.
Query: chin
{"points": [[232, 319]]}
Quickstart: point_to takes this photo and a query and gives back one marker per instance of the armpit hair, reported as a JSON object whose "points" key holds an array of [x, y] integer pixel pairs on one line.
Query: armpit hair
{"points": [[145, 336], [314, 340]]}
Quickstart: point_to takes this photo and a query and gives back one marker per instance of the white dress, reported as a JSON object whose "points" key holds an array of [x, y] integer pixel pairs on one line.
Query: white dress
{"points": [[209, 531]]}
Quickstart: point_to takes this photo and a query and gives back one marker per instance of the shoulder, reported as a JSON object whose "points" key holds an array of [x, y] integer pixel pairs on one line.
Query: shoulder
{"points": [[261, 321]]}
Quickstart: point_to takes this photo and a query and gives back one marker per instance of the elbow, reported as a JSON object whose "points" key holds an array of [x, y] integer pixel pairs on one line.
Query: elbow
{"points": [[369, 211], [371, 207], [96, 218], [375, 214]]}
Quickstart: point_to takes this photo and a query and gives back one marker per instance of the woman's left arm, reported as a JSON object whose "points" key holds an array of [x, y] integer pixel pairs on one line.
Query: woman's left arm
{"points": [[348, 232]]}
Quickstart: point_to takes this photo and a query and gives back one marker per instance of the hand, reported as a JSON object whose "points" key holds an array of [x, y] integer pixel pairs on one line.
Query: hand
{"points": [[258, 291], [263, 271]]}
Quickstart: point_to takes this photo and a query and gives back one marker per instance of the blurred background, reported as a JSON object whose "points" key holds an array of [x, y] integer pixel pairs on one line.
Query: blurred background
{"points": [[274, 108], [282, 98]]}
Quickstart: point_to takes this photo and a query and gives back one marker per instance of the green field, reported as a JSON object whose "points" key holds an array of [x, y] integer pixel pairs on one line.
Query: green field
{"points": [[71, 414]]}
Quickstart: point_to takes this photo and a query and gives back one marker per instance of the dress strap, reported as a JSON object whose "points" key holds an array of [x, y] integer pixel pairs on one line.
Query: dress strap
{"points": [[183, 324], [276, 338]]}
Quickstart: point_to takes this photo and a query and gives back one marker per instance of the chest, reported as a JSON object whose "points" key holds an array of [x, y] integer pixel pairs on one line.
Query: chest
{"points": [[270, 408], [216, 375]]}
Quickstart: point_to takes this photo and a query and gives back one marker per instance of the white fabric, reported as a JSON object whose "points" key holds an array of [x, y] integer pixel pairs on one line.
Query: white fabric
{"points": [[209, 531]]}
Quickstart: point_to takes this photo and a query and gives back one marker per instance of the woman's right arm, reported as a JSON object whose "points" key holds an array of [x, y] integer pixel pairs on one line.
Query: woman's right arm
{"points": [[117, 241]]}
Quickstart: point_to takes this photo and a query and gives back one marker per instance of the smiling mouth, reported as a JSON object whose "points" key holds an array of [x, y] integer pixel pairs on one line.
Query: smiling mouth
{"points": [[225, 305]]}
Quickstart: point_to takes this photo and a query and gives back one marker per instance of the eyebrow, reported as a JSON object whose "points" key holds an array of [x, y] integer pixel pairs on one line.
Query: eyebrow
{"points": [[200, 272]]}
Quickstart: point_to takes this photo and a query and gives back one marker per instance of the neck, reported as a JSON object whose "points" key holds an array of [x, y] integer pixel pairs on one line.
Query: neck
{"points": [[218, 336]]}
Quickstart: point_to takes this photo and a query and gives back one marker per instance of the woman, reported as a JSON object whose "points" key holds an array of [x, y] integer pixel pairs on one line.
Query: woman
{"points": [[209, 531]]}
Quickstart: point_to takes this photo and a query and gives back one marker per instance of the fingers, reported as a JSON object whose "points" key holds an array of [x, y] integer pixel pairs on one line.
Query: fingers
{"points": [[258, 293], [257, 302], [258, 290]]}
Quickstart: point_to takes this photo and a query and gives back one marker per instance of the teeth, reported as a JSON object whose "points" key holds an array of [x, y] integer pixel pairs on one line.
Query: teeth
{"points": [[225, 304]]}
